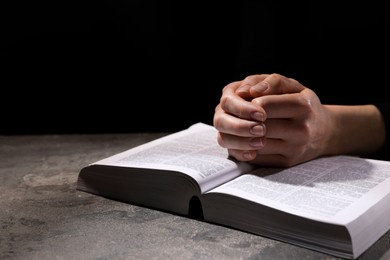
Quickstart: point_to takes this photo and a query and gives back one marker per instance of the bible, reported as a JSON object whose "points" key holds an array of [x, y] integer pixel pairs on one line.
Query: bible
{"points": [[339, 205]]}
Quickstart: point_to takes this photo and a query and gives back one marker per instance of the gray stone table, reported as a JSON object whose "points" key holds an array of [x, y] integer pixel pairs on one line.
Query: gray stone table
{"points": [[43, 216]]}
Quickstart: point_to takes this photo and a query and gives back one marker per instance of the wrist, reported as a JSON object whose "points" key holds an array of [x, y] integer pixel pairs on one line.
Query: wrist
{"points": [[356, 130]]}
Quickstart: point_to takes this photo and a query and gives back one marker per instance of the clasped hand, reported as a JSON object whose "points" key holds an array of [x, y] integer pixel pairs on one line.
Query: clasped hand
{"points": [[272, 120]]}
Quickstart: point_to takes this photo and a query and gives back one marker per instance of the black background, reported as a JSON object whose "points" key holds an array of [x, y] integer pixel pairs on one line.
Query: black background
{"points": [[112, 66], [133, 66]]}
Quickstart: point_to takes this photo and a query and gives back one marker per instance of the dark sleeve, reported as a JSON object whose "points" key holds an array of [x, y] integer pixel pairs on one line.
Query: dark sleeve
{"points": [[384, 153]]}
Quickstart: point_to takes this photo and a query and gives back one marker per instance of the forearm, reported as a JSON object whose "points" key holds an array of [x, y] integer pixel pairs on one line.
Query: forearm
{"points": [[357, 130]]}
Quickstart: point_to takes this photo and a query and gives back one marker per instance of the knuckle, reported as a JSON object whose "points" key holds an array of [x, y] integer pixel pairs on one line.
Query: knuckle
{"points": [[225, 99]]}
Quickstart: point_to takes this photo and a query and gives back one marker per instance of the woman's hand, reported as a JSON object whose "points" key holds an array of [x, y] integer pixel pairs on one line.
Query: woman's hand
{"points": [[272, 120]]}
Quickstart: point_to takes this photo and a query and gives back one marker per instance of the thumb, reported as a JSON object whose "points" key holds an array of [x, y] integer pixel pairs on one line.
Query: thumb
{"points": [[276, 84]]}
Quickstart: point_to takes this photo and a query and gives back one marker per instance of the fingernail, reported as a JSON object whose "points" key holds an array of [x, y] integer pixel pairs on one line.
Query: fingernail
{"points": [[260, 88], [256, 142], [257, 130], [249, 155], [260, 117]]}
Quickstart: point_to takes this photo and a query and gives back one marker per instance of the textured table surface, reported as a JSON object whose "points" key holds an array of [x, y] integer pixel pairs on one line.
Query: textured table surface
{"points": [[43, 216]]}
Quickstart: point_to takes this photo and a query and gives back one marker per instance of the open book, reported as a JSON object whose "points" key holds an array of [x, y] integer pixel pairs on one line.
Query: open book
{"points": [[337, 205]]}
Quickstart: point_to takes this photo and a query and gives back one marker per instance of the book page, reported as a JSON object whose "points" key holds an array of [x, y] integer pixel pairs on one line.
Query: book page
{"points": [[334, 189], [193, 151]]}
